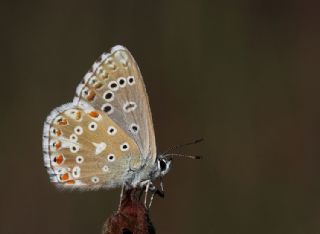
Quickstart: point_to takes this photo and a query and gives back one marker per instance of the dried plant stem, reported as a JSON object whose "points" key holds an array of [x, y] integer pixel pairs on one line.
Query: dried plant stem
{"points": [[132, 217]]}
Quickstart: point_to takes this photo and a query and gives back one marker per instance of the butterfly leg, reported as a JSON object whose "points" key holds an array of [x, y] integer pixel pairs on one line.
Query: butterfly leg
{"points": [[121, 196], [151, 199], [148, 186], [155, 191], [161, 185], [146, 192]]}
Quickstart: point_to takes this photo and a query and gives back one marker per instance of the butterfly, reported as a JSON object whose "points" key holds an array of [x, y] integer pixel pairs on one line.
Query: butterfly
{"points": [[104, 138]]}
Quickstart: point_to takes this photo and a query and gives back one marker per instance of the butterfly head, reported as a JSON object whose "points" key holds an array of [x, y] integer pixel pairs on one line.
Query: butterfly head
{"points": [[164, 160]]}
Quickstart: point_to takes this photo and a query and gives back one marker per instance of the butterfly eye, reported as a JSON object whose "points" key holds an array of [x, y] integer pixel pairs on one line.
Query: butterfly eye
{"points": [[76, 172], [111, 130], [79, 159], [74, 148], [124, 146], [111, 157], [93, 126], [122, 82], [73, 137], [107, 108], [131, 80], [134, 128], [78, 130], [108, 96], [113, 86], [162, 165]]}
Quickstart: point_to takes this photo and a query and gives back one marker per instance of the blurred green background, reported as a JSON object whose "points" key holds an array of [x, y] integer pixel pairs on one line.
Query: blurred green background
{"points": [[242, 74]]}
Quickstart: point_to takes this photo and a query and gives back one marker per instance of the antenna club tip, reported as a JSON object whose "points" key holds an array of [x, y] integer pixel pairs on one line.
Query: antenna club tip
{"points": [[198, 157]]}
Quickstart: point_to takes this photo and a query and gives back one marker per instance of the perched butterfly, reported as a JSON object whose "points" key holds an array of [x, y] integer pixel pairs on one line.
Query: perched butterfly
{"points": [[105, 137]]}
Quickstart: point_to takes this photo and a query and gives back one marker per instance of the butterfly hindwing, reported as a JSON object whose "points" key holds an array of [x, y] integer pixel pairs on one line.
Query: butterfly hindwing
{"points": [[115, 86], [84, 148]]}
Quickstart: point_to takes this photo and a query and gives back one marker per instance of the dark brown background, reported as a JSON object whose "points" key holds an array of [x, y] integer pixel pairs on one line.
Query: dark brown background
{"points": [[242, 74]]}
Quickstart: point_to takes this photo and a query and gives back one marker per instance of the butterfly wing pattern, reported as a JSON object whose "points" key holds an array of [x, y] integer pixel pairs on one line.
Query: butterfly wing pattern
{"points": [[106, 133]]}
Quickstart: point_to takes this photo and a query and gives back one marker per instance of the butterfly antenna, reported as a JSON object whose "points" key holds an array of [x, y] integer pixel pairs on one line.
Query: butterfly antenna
{"points": [[182, 145], [170, 156]]}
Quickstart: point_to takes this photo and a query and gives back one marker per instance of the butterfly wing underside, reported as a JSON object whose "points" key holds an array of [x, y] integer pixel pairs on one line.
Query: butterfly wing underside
{"points": [[85, 149], [106, 132]]}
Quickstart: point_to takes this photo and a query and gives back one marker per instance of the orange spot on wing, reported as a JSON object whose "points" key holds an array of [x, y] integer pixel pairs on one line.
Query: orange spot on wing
{"points": [[57, 144], [71, 182], [62, 122], [91, 95], [94, 114], [65, 176], [58, 132], [59, 159], [78, 115]]}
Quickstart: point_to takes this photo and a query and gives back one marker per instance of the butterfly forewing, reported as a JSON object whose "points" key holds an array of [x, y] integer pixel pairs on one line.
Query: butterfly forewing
{"points": [[115, 86], [86, 149]]}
